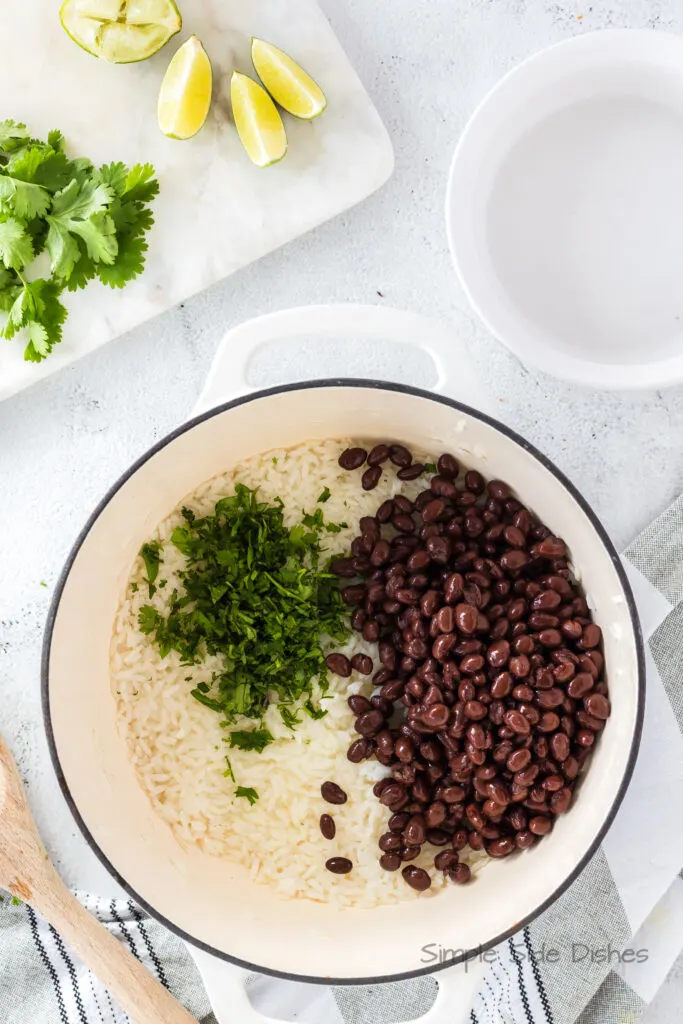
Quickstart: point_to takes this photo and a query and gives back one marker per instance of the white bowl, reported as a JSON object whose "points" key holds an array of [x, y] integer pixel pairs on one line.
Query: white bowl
{"points": [[564, 210]]}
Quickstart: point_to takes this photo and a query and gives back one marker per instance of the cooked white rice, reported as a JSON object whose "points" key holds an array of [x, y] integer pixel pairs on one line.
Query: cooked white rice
{"points": [[177, 744]]}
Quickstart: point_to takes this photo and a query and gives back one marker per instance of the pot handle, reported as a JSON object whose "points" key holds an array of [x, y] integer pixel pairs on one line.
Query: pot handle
{"points": [[225, 986], [456, 376]]}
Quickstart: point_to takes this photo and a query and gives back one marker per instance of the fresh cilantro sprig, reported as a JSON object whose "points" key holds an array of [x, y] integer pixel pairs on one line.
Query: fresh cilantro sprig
{"points": [[91, 222], [255, 593]]}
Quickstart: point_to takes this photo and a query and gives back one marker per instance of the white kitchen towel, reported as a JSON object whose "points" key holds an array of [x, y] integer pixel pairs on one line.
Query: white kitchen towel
{"points": [[598, 955]]}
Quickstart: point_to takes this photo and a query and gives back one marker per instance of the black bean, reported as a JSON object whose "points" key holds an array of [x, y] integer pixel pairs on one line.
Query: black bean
{"points": [[399, 455], [359, 750], [352, 458], [369, 723], [460, 874], [411, 472], [339, 865], [327, 826], [332, 793], [447, 466], [417, 878], [343, 567], [371, 477], [390, 861], [466, 618], [339, 664], [379, 454], [362, 663]]}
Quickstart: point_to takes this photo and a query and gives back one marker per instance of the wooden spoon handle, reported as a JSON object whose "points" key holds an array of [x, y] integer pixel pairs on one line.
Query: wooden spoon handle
{"points": [[142, 997], [26, 870]]}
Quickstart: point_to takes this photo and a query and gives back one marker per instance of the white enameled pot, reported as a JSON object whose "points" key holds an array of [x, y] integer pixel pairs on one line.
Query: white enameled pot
{"points": [[213, 904]]}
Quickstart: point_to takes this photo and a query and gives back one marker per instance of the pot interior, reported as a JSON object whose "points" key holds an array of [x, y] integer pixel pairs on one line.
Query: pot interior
{"points": [[216, 903]]}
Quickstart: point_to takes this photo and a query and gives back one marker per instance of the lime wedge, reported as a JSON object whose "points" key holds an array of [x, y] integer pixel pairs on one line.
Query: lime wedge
{"points": [[185, 94], [120, 31], [257, 120], [287, 83]]}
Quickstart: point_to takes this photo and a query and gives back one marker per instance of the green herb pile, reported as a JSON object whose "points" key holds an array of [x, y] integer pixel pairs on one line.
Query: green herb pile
{"points": [[91, 222], [254, 592]]}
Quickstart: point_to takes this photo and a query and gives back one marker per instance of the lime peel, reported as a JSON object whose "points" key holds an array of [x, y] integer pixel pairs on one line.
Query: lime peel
{"points": [[118, 32]]}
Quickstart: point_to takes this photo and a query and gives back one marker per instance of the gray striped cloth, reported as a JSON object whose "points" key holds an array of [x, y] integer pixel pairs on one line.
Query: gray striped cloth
{"points": [[597, 956]]}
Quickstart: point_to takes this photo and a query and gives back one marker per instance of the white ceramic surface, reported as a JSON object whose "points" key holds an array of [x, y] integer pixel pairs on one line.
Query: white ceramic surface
{"points": [[560, 201], [215, 903], [216, 212]]}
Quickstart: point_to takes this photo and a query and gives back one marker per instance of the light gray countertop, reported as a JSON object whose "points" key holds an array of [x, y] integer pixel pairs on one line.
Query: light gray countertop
{"points": [[65, 441]]}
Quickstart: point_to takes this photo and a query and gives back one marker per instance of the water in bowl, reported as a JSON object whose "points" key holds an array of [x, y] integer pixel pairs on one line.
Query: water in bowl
{"points": [[585, 228]]}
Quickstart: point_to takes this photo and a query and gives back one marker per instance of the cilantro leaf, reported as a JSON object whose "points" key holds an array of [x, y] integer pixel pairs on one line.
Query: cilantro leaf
{"points": [[151, 556], [249, 794], [229, 773], [80, 200], [36, 307], [84, 271], [55, 140], [148, 618], [99, 234], [45, 326], [16, 247], [141, 185], [289, 717], [41, 165], [23, 198], [13, 136], [64, 250], [115, 175], [325, 496], [39, 345], [315, 713], [245, 740], [128, 262], [132, 220]]}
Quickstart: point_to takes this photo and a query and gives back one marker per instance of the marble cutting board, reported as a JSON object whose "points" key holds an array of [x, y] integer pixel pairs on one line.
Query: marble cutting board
{"points": [[216, 211]]}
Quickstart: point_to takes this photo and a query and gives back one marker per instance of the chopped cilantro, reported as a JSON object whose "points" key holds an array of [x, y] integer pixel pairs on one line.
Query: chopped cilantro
{"points": [[246, 740], [43, 583], [255, 593], [148, 619], [151, 556], [228, 773], [335, 527], [324, 496], [314, 712], [289, 717], [134, 588], [430, 467], [249, 794]]}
